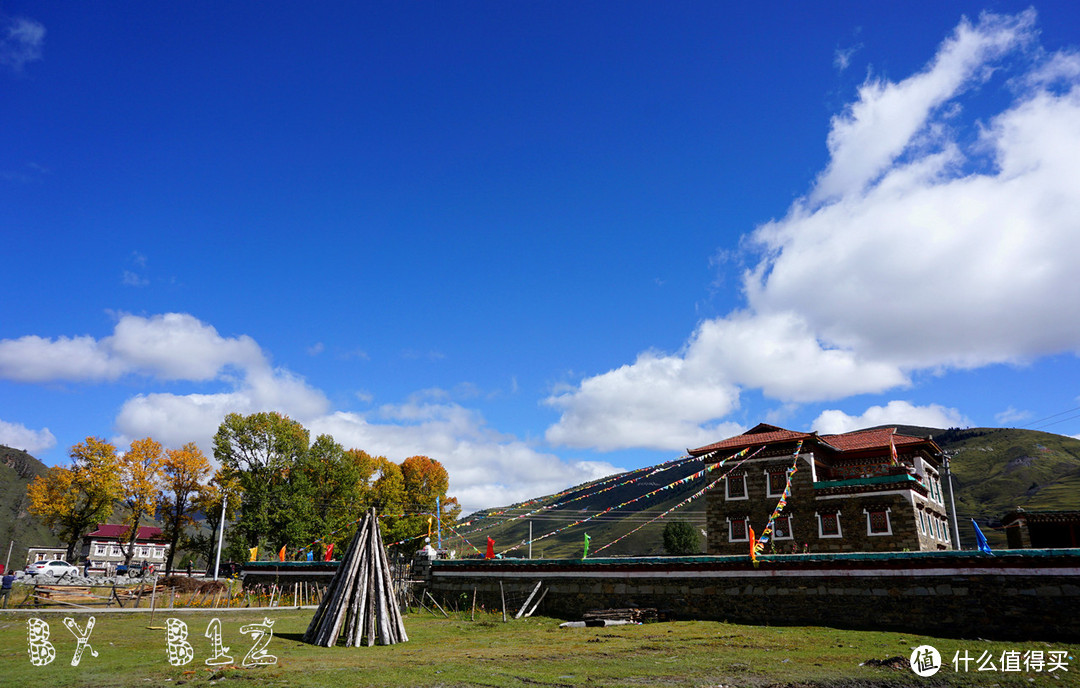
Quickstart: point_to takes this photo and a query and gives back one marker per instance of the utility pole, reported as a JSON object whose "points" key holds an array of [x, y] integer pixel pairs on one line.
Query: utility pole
{"points": [[221, 535], [8, 560], [952, 501], [438, 522]]}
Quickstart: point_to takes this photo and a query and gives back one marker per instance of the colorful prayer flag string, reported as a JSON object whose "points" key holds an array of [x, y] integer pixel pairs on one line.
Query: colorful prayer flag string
{"points": [[686, 501], [765, 534]]}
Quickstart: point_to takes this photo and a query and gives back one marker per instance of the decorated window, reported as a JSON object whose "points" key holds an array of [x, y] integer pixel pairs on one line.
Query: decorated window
{"points": [[737, 530], [777, 481], [782, 528], [877, 522], [736, 486], [829, 525]]}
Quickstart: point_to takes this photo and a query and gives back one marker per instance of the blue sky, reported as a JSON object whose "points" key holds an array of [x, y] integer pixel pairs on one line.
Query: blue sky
{"points": [[538, 242]]}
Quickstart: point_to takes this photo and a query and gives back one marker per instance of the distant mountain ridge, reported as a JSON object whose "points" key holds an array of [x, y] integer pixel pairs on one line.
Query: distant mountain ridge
{"points": [[994, 470], [19, 529]]}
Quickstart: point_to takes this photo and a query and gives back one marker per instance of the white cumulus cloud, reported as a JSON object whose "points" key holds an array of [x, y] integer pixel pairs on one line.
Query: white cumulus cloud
{"points": [[18, 436], [894, 413], [928, 242], [486, 467], [172, 346]]}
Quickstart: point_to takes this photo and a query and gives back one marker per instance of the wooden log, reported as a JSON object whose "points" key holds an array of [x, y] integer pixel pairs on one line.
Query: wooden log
{"points": [[537, 603], [336, 606], [502, 594], [354, 621], [397, 623], [318, 632], [436, 604], [528, 600]]}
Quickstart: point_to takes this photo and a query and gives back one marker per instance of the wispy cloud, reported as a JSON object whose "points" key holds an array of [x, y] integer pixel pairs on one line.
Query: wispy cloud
{"points": [[1011, 415], [21, 42], [842, 56], [131, 279]]}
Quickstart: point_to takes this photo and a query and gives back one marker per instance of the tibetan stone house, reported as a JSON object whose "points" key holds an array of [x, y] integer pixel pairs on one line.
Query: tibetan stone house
{"points": [[866, 491]]}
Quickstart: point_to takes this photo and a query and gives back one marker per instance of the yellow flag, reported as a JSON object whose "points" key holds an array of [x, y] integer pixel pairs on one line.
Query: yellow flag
{"points": [[253, 551]]}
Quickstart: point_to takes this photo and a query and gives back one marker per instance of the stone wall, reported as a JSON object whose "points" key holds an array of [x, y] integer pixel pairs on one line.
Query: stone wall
{"points": [[1021, 596]]}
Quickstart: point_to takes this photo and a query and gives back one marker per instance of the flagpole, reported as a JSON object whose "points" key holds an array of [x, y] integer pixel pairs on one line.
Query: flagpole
{"points": [[221, 535]]}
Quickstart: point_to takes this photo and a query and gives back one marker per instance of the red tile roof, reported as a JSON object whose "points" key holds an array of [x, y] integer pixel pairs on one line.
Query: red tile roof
{"points": [[111, 530], [869, 439], [762, 434], [844, 442]]}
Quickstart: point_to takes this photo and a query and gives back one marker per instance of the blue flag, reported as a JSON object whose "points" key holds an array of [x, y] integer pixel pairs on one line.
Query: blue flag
{"points": [[983, 545], [310, 554]]}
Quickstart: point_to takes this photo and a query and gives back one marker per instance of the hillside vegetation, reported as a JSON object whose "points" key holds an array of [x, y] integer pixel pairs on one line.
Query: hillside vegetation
{"points": [[18, 528]]}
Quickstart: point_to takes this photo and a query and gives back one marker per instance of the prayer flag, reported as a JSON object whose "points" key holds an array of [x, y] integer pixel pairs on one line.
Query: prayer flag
{"points": [[253, 552], [490, 549], [753, 544], [893, 455], [281, 554], [310, 555], [585, 554], [983, 544], [329, 552]]}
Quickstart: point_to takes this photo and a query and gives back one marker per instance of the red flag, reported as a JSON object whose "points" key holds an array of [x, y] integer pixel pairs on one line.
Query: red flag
{"points": [[490, 550], [892, 451], [753, 544], [329, 552], [281, 554]]}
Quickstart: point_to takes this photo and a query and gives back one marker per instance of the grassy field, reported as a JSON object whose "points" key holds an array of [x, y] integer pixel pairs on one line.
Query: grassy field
{"points": [[487, 652]]}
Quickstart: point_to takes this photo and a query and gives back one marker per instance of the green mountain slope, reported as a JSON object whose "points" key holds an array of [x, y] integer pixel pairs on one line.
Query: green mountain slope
{"points": [[994, 469], [19, 529], [997, 470]]}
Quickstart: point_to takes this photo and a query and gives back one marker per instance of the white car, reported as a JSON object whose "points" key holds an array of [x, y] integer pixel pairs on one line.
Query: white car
{"points": [[56, 568]]}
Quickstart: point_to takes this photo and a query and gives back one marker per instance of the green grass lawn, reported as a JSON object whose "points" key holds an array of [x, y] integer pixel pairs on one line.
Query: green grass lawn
{"points": [[487, 652]]}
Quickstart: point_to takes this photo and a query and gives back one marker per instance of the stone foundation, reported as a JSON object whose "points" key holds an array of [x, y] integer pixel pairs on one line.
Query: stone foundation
{"points": [[1034, 595]]}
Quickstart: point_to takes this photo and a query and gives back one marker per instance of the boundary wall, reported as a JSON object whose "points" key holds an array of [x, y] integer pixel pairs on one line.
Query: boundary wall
{"points": [[1011, 595]]}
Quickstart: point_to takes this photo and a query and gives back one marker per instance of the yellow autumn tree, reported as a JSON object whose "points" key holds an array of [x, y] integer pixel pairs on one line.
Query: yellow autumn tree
{"points": [[72, 500], [140, 477], [184, 471]]}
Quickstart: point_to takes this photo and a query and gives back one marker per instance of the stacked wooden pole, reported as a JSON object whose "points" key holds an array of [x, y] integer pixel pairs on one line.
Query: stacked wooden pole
{"points": [[360, 602]]}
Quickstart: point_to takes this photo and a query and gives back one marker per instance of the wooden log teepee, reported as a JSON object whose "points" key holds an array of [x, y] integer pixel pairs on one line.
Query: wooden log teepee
{"points": [[360, 602]]}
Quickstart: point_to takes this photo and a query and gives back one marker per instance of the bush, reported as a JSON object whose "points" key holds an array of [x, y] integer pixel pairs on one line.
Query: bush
{"points": [[681, 538]]}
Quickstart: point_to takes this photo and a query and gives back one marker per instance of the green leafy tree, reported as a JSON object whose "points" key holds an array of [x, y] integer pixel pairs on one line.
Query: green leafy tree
{"points": [[681, 539], [262, 451], [336, 489]]}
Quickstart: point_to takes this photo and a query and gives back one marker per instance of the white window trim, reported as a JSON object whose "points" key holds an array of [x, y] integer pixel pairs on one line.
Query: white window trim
{"points": [[727, 489], [790, 527], [839, 528], [746, 530], [768, 483], [888, 523]]}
